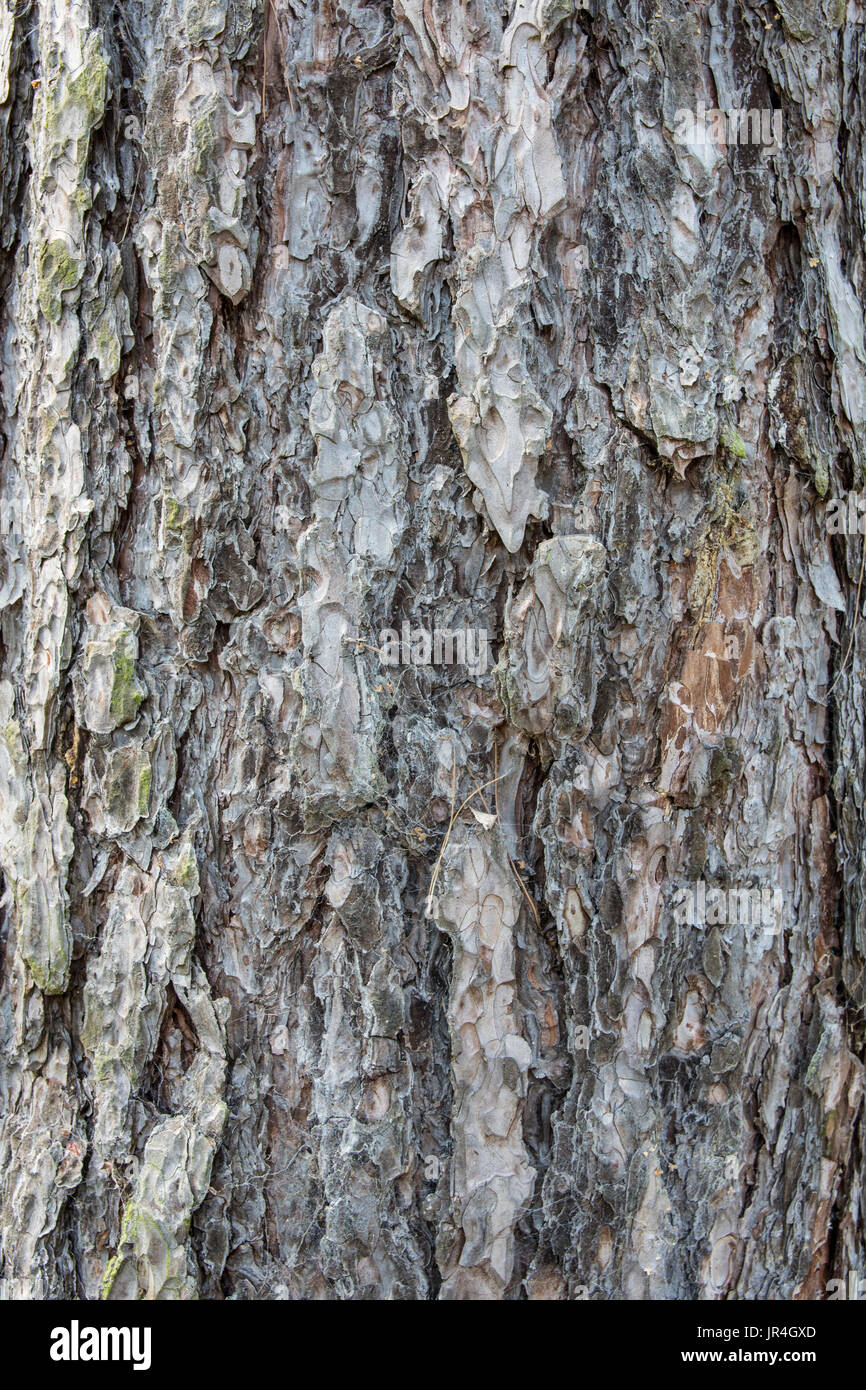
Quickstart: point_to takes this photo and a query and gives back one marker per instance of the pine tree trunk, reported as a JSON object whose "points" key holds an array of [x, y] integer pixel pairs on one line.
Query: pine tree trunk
{"points": [[431, 690]]}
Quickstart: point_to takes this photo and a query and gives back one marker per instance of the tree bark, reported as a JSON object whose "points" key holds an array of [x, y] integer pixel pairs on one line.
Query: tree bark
{"points": [[339, 961]]}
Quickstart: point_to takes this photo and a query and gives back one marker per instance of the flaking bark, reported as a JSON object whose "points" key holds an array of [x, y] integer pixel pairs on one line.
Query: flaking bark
{"points": [[325, 978]]}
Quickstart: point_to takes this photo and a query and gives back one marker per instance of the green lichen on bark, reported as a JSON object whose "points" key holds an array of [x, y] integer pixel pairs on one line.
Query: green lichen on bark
{"points": [[58, 271], [126, 695]]}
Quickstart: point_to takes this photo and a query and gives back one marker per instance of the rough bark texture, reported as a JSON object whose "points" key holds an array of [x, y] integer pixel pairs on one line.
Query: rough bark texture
{"points": [[320, 318]]}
